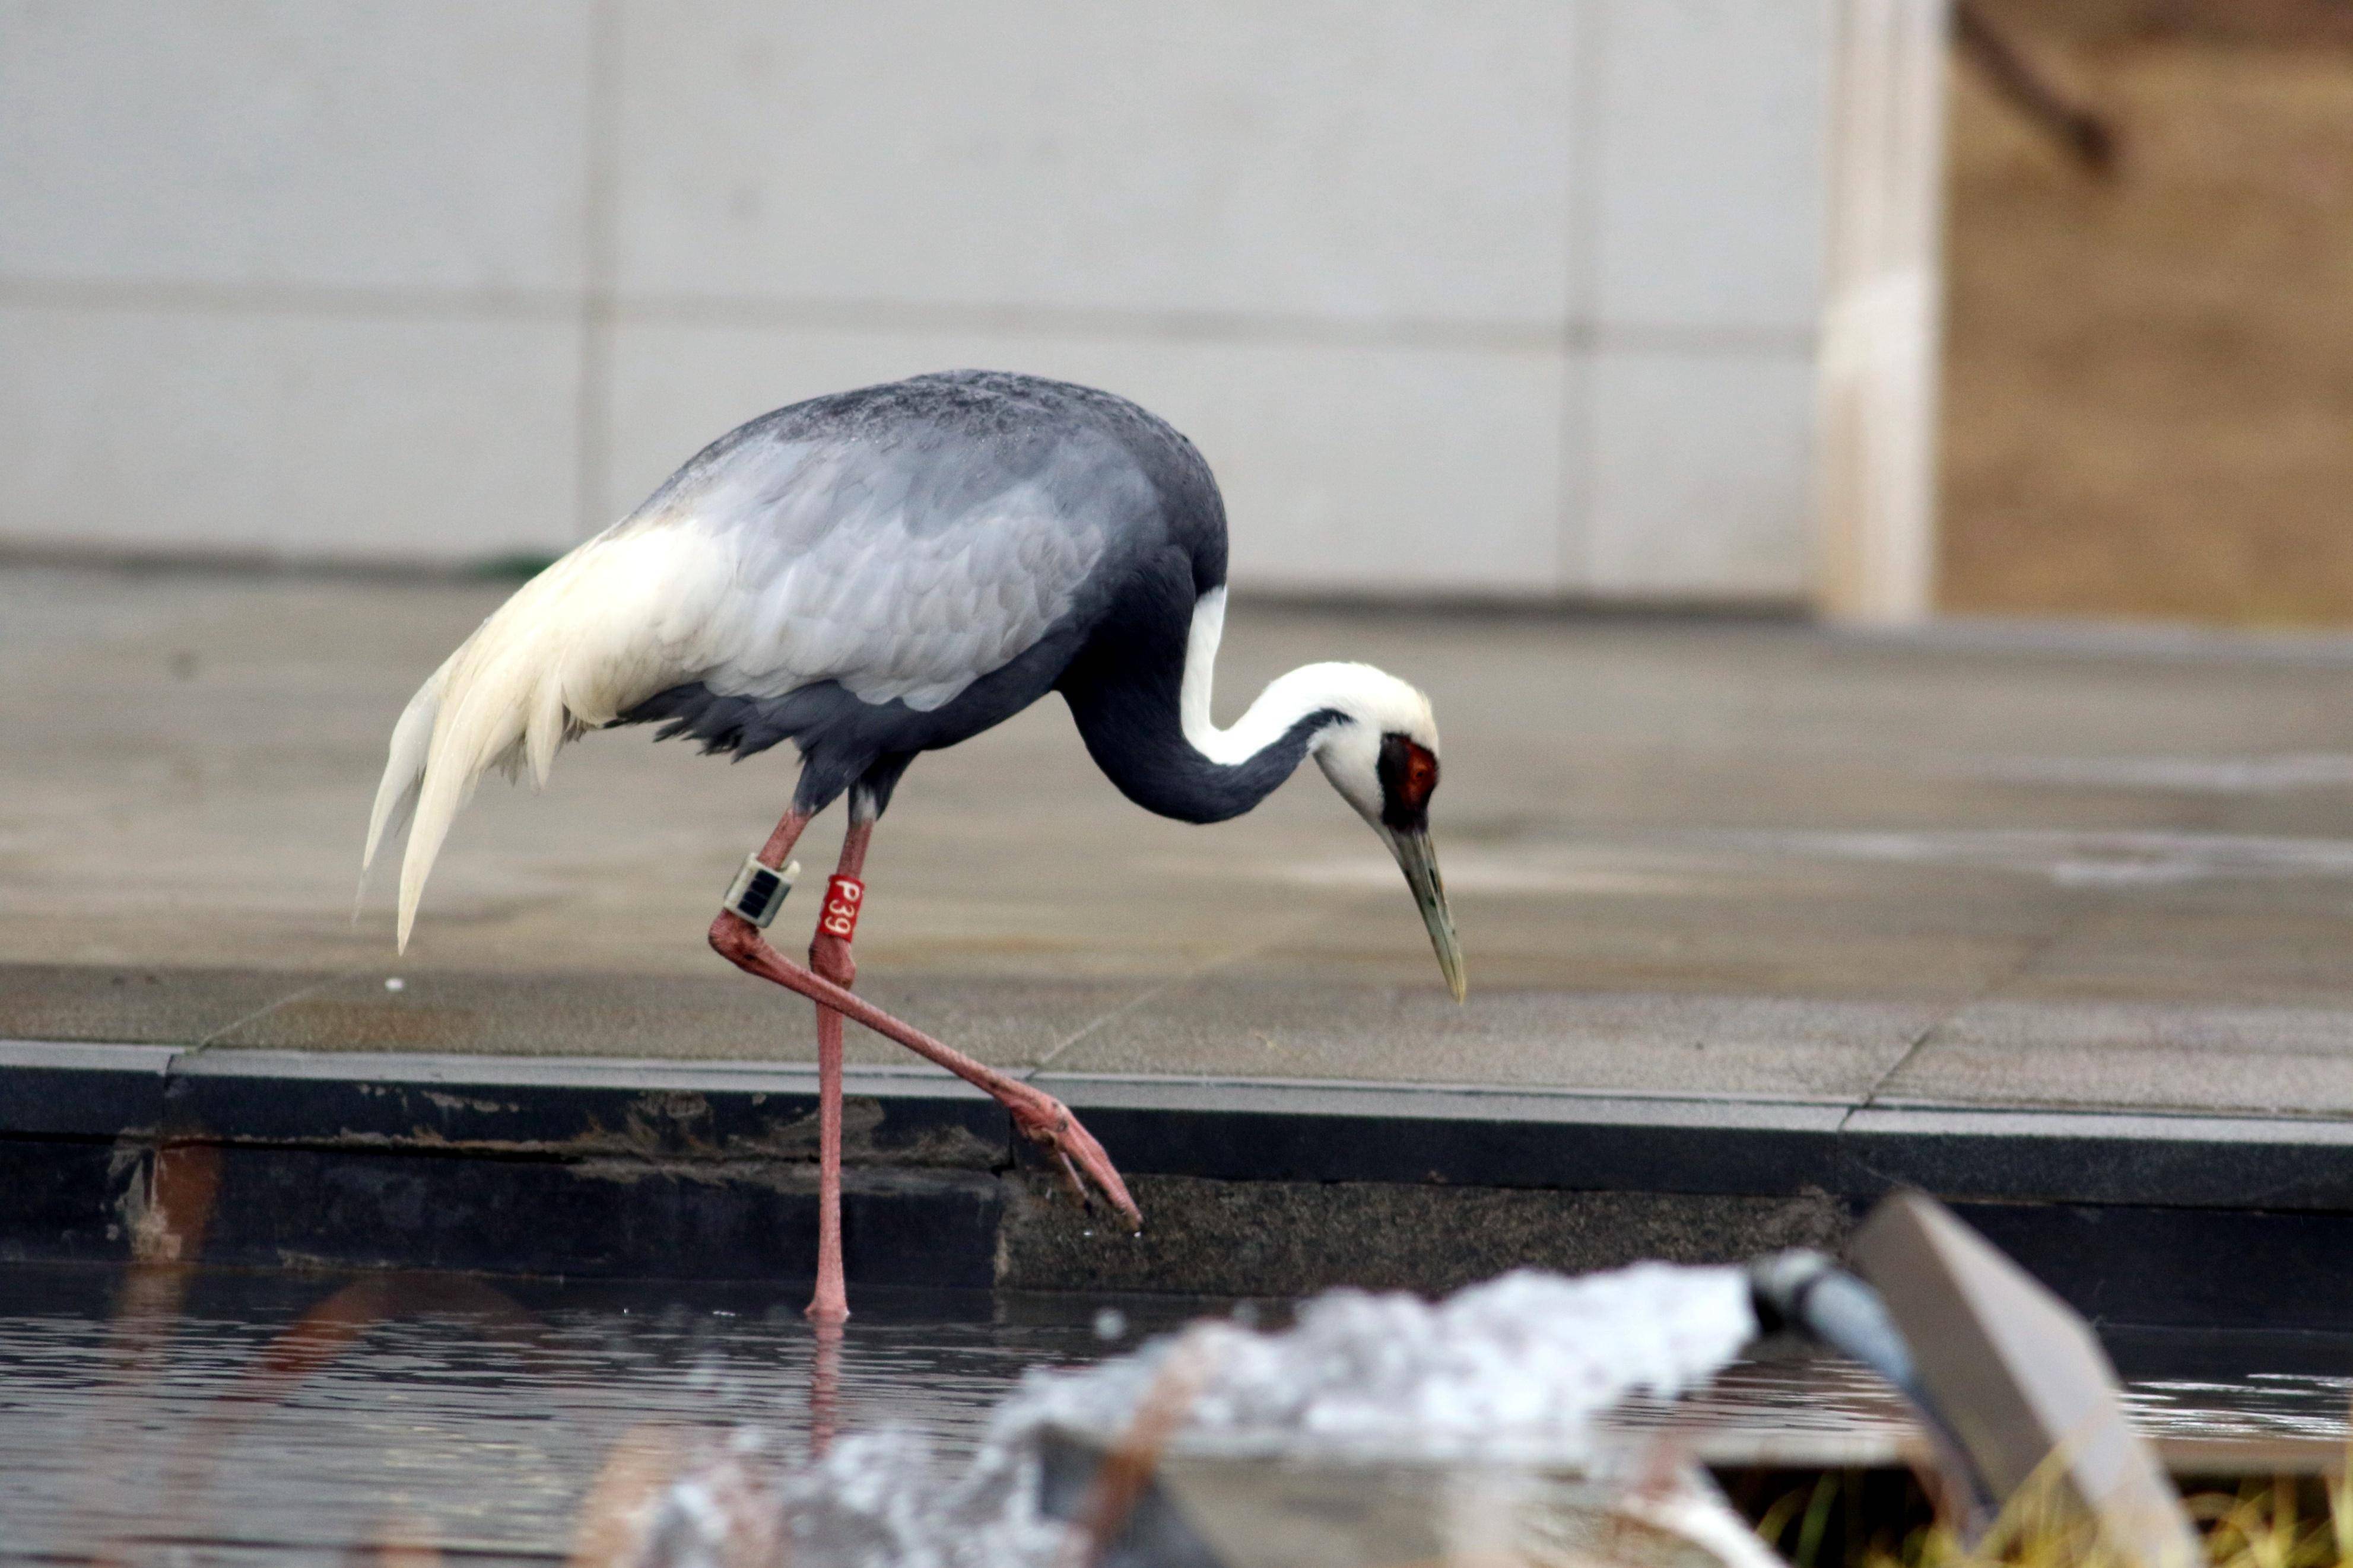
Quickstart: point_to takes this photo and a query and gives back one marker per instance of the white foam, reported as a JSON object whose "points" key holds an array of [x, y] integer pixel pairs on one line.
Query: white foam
{"points": [[1519, 1367], [1527, 1359]]}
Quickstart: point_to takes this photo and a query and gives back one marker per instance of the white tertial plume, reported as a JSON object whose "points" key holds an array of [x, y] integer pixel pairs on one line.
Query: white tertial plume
{"points": [[599, 632]]}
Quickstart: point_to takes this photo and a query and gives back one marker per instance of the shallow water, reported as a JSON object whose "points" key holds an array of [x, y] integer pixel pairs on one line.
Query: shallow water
{"points": [[2250, 1386], [216, 1418]]}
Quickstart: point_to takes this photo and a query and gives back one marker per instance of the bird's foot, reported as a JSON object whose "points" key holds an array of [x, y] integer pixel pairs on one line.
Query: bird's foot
{"points": [[1047, 1122]]}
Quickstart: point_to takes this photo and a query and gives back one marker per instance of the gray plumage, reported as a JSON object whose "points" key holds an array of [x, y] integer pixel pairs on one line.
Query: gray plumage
{"points": [[992, 537]]}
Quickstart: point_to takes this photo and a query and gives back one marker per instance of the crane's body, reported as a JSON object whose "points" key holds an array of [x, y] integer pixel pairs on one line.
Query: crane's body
{"points": [[886, 572]]}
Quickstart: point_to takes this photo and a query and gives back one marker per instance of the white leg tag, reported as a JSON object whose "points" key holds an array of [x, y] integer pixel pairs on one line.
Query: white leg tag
{"points": [[758, 891]]}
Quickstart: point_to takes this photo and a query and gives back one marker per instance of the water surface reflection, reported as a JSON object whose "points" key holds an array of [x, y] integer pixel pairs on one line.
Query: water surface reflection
{"points": [[250, 1417]]}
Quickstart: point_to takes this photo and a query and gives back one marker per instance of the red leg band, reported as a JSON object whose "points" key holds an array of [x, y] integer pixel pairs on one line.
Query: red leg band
{"points": [[844, 897]]}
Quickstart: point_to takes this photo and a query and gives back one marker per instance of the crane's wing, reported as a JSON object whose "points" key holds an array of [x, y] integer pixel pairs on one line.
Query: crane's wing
{"points": [[904, 568], [902, 574]]}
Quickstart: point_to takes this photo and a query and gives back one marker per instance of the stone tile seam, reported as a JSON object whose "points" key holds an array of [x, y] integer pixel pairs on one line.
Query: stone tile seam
{"points": [[1111, 1016], [621, 306], [2073, 910], [1193, 976], [274, 1003]]}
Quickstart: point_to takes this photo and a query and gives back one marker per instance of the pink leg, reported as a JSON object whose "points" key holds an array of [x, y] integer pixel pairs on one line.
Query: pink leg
{"points": [[825, 1385], [830, 957], [1037, 1115]]}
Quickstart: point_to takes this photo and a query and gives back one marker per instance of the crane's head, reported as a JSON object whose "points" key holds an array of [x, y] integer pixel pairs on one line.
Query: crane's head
{"points": [[1382, 755]]}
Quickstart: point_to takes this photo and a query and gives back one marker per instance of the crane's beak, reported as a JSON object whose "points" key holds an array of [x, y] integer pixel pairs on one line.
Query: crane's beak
{"points": [[1420, 863]]}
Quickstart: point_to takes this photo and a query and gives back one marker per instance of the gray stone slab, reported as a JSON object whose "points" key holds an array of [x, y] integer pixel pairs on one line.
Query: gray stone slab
{"points": [[1259, 1021], [137, 1004], [722, 1017], [2256, 942], [2288, 1061]]}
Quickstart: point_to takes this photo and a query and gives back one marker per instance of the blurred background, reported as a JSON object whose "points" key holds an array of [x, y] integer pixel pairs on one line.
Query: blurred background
{"points": [[2149, 384], [1859, 305]]}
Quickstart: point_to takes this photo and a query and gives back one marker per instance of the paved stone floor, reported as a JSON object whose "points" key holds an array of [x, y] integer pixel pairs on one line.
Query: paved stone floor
{"points": [[1754, 859]]}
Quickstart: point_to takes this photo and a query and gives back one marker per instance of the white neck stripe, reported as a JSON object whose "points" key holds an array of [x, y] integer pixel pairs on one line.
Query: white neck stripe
{"points": [[1200, 673], [1357, 691]]}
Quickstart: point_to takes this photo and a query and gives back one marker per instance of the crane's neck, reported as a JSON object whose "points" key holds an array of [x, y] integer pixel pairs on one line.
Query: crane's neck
{"points": [[1146, 721]]}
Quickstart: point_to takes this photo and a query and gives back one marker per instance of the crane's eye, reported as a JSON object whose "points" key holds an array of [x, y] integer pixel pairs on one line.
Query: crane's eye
{"points": [[1409, 773]]}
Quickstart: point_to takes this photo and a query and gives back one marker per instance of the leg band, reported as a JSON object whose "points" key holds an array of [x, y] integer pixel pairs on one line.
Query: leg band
{"points": [[758, 891], [844, 895]]}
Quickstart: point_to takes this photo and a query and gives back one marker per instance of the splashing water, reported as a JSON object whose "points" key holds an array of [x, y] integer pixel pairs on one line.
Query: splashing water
{"points": [[1518, 1369], [1526, 1360]]}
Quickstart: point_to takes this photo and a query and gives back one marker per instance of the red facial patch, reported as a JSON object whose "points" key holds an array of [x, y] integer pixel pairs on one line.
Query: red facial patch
{"points": [[1409, 773], [1420, 777]]}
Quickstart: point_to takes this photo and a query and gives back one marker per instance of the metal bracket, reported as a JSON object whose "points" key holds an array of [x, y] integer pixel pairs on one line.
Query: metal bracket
{"points": [[758, 891]]}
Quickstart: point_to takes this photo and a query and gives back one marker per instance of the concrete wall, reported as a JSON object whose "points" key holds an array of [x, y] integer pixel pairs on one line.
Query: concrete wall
{"points": [[1508, 296]]}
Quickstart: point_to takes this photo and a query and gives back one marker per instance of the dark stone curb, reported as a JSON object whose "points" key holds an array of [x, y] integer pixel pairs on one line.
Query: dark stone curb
{"points": [[601, 1168], [1563, 1139]]}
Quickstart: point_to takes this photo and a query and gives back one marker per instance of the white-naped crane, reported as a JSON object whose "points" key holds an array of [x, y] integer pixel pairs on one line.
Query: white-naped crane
{"points": [[885, 572]]}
